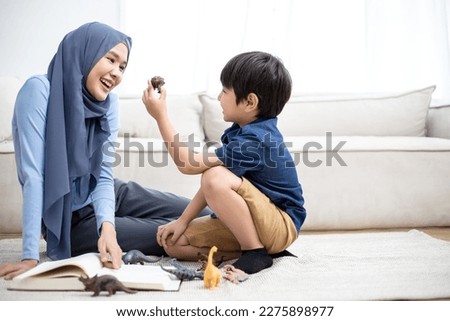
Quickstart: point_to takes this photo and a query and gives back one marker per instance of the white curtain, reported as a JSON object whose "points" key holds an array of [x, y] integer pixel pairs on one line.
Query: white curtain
{"points": [[329, 46], [408, 45]]}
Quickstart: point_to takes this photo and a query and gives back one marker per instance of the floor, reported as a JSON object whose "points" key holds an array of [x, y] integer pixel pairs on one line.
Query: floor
{"points": [[442, 233]]}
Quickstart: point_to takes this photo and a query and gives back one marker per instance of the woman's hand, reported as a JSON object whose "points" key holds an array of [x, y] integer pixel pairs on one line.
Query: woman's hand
{"points": [[170, 232], [10, 270], [156, 106], [110, 251]]}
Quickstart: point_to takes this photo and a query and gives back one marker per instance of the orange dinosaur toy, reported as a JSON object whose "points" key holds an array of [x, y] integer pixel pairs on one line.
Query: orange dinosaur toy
{"points": [[212, 275]]}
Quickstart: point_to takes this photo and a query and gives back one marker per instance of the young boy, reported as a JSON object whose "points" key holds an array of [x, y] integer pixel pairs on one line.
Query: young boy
{"points": [[250, 183]]}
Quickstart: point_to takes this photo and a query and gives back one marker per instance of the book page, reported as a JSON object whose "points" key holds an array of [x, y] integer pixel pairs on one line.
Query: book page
{"points": [[87, 264], [144, 277]]}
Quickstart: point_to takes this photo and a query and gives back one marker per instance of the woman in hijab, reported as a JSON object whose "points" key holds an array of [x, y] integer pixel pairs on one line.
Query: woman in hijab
{"points": [[62, 122]]}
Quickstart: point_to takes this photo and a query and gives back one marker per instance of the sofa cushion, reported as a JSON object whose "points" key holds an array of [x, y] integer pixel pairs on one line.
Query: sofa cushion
{"points": [[438, 124], [184, 111], [399, 114], [344, 144], [134, 119], [212, 118], [9, 87]]}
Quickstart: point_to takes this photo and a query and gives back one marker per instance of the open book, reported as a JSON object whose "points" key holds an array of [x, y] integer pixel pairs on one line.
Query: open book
{"points": [[63, 275]]}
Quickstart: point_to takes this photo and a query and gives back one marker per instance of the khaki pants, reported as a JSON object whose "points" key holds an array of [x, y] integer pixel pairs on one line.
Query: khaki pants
{"points": [[275, 228]]}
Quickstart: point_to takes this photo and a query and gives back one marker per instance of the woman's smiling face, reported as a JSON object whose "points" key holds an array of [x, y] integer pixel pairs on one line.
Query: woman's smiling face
{"points": [[107, 72]]}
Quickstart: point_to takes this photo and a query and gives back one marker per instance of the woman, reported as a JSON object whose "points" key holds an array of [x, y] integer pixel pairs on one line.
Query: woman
{"points": [[62, 122]]}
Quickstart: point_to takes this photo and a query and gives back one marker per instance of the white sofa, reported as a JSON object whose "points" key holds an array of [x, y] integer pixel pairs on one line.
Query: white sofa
{"points": [[365, 161]]}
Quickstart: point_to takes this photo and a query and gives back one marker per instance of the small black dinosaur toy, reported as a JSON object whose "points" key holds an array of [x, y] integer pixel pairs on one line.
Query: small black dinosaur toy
{"points": [[182, 272], [107, 283], [136, 256]]}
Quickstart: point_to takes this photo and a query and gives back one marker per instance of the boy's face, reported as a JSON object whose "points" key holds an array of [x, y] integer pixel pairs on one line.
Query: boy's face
{"points": [[232, 112]]}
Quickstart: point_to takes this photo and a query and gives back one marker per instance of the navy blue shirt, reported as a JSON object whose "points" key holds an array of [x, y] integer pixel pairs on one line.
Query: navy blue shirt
{"points": [[258, 153]]}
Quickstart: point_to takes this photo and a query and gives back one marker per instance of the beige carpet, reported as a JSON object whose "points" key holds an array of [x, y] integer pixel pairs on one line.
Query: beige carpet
{"points": [[370, 266]]}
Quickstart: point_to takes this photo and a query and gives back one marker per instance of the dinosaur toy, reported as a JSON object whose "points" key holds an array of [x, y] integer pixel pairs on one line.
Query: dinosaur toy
{"points": [[204, 261], [157, 83], [182, 272], [136, 256], [107, 283], [212, 274]]}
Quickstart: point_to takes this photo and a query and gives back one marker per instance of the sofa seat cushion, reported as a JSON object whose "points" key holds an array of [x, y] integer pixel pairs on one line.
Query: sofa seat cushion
{"points": [[375, 182], [10, 195], [151, 145], [6, 147]]}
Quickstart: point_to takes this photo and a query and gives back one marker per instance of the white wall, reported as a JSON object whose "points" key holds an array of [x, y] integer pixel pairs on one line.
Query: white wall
{"points": [[31, 30]]}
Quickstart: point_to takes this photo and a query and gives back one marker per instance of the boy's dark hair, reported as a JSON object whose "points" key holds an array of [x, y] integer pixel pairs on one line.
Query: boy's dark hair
{"points": [[262, 74]]}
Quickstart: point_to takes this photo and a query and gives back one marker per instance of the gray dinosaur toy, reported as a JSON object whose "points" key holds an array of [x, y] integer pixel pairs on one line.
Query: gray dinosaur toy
{"points": [[182, 272], [136, 256]]}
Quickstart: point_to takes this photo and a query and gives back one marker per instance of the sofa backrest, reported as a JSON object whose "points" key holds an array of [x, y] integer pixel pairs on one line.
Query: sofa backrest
{"points": [[400, 114]]}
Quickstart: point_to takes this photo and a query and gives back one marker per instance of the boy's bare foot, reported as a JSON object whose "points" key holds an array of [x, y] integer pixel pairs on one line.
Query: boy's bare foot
{"points": [[234, 275]]}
